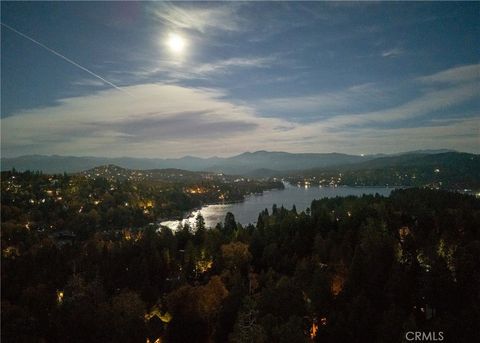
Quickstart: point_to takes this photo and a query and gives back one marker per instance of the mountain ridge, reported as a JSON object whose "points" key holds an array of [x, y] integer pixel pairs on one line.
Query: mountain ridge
{"points": [[244, 163]]}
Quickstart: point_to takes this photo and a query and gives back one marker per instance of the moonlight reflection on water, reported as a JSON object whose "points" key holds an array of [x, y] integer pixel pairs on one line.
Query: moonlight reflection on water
{"points": [[246, 212]]}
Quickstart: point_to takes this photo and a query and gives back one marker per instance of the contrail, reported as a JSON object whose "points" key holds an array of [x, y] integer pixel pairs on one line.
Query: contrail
{"points": [[64, 58]]}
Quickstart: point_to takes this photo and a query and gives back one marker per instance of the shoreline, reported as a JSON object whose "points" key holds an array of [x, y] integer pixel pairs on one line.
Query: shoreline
{"points": [[189, 214]]}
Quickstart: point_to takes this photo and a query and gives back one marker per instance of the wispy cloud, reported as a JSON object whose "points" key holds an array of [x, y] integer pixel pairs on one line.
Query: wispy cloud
{"points": [[460, 84], [446, 89], [189, 70], [394, 52], [326, 104], [88, 83], [426, 103], [461, 74], [236, 62], [181, 16]]}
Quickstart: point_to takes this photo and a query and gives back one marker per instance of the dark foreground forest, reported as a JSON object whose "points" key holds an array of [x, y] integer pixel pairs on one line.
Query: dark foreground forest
{"points": [[349, 269]]}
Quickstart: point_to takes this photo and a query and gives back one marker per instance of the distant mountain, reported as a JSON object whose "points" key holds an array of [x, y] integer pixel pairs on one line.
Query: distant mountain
{"points": [[240, 164], [452, 170], [426, 151], [451, 160], [259, 163], [280, 161]]}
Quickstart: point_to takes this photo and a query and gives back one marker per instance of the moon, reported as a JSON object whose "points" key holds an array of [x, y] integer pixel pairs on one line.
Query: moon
{"points": [[176, 43]]}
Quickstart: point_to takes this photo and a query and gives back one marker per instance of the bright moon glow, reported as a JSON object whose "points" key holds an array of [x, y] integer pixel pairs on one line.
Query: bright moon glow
{"points": [[176, 43]]}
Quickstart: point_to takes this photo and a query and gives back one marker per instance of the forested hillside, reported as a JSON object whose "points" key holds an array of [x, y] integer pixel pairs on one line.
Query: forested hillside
{"points": [[349, 269]]}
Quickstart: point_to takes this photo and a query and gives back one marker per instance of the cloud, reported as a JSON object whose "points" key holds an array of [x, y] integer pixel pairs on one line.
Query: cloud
{"points": [[327, 104], [173, 71], [163, 120], [353, 106], [220, 17], [461, 74], [436, 110], [427, 103], [393, 52], [88, 83], [458, 86], [236, 62], [194, 124], [160, 120]]}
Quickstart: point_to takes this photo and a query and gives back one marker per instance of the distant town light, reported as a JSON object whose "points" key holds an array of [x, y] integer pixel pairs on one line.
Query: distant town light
{"points": [[60, 295]]}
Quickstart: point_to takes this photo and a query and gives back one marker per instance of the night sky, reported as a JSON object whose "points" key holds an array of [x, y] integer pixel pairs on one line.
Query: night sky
{"points": [[150, 79]]}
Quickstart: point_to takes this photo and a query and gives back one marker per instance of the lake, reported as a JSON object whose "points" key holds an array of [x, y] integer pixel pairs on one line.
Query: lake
{"points": [[247, 211]]}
